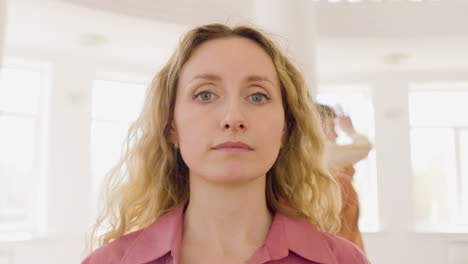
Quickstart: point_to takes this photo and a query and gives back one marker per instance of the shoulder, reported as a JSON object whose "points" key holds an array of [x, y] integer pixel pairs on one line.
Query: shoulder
{"points": [[142, 246], [343, 250], [304, 239], [113, 252]]}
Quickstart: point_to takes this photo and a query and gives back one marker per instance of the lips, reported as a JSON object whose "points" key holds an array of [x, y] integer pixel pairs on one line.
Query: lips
{"points": [[233, 147]]}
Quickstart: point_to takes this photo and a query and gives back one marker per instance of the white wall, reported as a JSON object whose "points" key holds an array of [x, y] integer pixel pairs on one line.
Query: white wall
{"points": [[2, 26]]}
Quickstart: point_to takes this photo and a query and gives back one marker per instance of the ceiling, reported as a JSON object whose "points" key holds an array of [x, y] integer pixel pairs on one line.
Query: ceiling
{"points": [[352, 37]]}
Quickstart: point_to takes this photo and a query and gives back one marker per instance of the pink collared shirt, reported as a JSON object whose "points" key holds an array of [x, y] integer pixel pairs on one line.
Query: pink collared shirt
{"points": [[289, 241]]}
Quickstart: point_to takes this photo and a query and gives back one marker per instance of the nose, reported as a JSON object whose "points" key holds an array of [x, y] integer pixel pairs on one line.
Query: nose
{"points": [[234, 118]]}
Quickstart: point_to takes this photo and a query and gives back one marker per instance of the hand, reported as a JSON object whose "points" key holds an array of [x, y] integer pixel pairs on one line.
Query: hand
{"points": [[346, 124], [349, 171]]}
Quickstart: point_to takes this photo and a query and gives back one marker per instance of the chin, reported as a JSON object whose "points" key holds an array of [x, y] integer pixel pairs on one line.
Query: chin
{"points": [[234, 176]]}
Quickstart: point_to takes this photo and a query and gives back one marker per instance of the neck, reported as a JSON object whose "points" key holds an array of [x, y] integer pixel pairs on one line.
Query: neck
{"points": [[223, 217]]}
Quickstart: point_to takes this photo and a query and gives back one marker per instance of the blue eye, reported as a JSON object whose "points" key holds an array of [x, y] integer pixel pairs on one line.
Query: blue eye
{"points": [[204, 96], [259, 98]]}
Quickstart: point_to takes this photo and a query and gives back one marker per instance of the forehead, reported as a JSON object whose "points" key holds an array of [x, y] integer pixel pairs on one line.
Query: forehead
{"points": [[229, 57]]}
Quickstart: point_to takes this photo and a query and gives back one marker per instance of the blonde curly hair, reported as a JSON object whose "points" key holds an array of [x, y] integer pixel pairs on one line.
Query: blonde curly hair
{"points": [[151, 178]]}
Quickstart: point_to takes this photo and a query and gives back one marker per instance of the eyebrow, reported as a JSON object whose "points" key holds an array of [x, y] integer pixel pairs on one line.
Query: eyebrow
{"points": [[250, 78], [207, 76], [256, 78]]}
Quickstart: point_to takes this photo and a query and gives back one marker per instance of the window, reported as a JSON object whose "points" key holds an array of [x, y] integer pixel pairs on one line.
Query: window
{"points": [[356, 102], [439, 153], [20, 132], [115, 105]]}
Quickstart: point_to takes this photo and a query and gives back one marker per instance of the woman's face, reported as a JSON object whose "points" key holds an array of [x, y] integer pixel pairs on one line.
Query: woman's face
{"points": [[229, 117]]}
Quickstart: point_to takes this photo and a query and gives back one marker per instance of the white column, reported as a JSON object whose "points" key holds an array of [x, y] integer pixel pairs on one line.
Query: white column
{"points": [[294, 22], [395, 188], [394, 161], [2, 27], [69, 182]]}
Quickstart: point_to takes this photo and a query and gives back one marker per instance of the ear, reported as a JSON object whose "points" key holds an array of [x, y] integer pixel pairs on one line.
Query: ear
{"points": [[173, 137]]}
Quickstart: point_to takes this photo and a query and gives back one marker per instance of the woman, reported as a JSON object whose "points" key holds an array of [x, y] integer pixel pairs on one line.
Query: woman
{"points": [[225, 164], [340, 160], [338, 156]]}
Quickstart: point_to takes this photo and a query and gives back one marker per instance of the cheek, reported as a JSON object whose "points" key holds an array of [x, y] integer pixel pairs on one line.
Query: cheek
{"points": [[194, 129], [272, 131], [270, 139]]}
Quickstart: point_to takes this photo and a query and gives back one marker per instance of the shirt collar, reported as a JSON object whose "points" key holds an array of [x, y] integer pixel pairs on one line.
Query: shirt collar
{"points": [[158, 239], [305, 240], [286, 234]]}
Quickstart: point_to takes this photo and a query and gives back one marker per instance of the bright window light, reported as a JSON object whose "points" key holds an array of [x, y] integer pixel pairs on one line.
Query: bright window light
{"points": [[439, 147], [19, 153], [115, 105]]}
